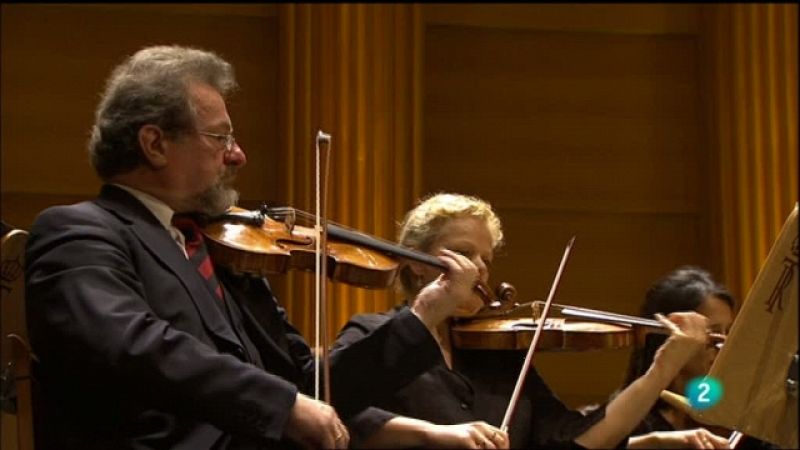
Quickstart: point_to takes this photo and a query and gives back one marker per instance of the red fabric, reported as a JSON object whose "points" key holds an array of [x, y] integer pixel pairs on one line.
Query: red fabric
{"points": [[197, 253]]}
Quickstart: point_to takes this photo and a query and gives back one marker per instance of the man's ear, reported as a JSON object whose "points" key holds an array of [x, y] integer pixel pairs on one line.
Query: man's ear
{"points": [[151, 141]]}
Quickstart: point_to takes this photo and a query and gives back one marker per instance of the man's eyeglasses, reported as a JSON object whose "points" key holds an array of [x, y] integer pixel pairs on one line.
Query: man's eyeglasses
{"points": [[227, 139]]}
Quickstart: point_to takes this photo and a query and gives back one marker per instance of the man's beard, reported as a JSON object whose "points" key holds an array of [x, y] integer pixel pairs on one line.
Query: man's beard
{"points": [[218, 198]]}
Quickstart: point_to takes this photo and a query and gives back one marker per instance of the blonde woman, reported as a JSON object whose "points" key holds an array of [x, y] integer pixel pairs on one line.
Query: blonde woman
{"points": [[473, 387]]}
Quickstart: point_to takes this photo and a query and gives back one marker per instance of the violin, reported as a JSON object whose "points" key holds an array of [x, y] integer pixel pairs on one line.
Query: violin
{"points": [[592, 330], [268, 241], [558, 335]]}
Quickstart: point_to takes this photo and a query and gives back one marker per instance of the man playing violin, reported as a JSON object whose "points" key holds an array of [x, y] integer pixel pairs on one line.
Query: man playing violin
{"points": [[142, 343], [473, 387]]}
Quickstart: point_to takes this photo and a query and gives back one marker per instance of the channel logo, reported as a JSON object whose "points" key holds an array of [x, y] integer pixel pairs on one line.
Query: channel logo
{"points": [[704, 392]]}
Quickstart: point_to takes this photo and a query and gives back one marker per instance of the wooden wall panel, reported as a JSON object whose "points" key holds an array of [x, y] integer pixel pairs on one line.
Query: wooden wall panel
{"points": [[563, 121], [600, 273], [576, 17], [52, 77], [585, 126]]}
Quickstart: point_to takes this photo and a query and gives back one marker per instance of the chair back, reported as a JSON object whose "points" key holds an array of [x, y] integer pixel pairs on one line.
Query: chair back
{"points": [[16, 424]]}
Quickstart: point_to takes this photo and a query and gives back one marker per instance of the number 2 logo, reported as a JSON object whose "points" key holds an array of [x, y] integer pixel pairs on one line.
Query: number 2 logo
{"points": [[703, 395], [704, 392]]}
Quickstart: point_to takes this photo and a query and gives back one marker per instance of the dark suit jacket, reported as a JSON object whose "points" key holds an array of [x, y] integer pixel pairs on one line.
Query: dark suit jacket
{"points": [[136, 352]]}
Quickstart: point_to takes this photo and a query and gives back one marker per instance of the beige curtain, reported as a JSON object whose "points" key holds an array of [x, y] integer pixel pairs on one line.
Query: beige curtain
{"points": [[353, 71], [751, 56]]}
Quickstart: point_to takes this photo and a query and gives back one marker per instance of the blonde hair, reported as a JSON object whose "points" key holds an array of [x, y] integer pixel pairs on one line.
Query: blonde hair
{"points": [[422, 226]]}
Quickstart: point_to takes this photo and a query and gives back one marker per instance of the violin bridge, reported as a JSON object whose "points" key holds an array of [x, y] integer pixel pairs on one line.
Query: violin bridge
{"points": [[289, 220], [286, 215]]}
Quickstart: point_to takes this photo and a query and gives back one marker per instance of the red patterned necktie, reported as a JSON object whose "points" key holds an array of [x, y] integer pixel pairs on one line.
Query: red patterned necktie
{"points": [[197, 253]]}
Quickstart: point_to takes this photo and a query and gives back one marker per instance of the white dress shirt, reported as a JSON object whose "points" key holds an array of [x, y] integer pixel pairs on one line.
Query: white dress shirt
{"points": [[162, 211]]}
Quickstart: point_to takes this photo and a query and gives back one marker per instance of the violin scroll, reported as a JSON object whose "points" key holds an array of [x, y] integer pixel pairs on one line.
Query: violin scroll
{"points": [[506, 292], [498, 303]]}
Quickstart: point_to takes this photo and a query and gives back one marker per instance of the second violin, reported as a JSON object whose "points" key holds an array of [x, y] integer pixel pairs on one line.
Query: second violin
{"points": [[582, 329]]}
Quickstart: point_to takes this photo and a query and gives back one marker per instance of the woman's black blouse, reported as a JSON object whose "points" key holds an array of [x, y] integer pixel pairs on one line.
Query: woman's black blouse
{"points": [[478, 388]]}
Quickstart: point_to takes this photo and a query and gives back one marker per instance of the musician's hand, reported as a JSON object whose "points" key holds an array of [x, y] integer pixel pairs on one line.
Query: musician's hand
{"points": [[468, 435], [450, 294], [314, 424], [696, 438], [688, 337]]}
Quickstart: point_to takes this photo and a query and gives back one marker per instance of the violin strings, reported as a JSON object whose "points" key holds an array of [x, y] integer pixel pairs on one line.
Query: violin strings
{"points": [[600, 315], [610, 316], [287, 210]]}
